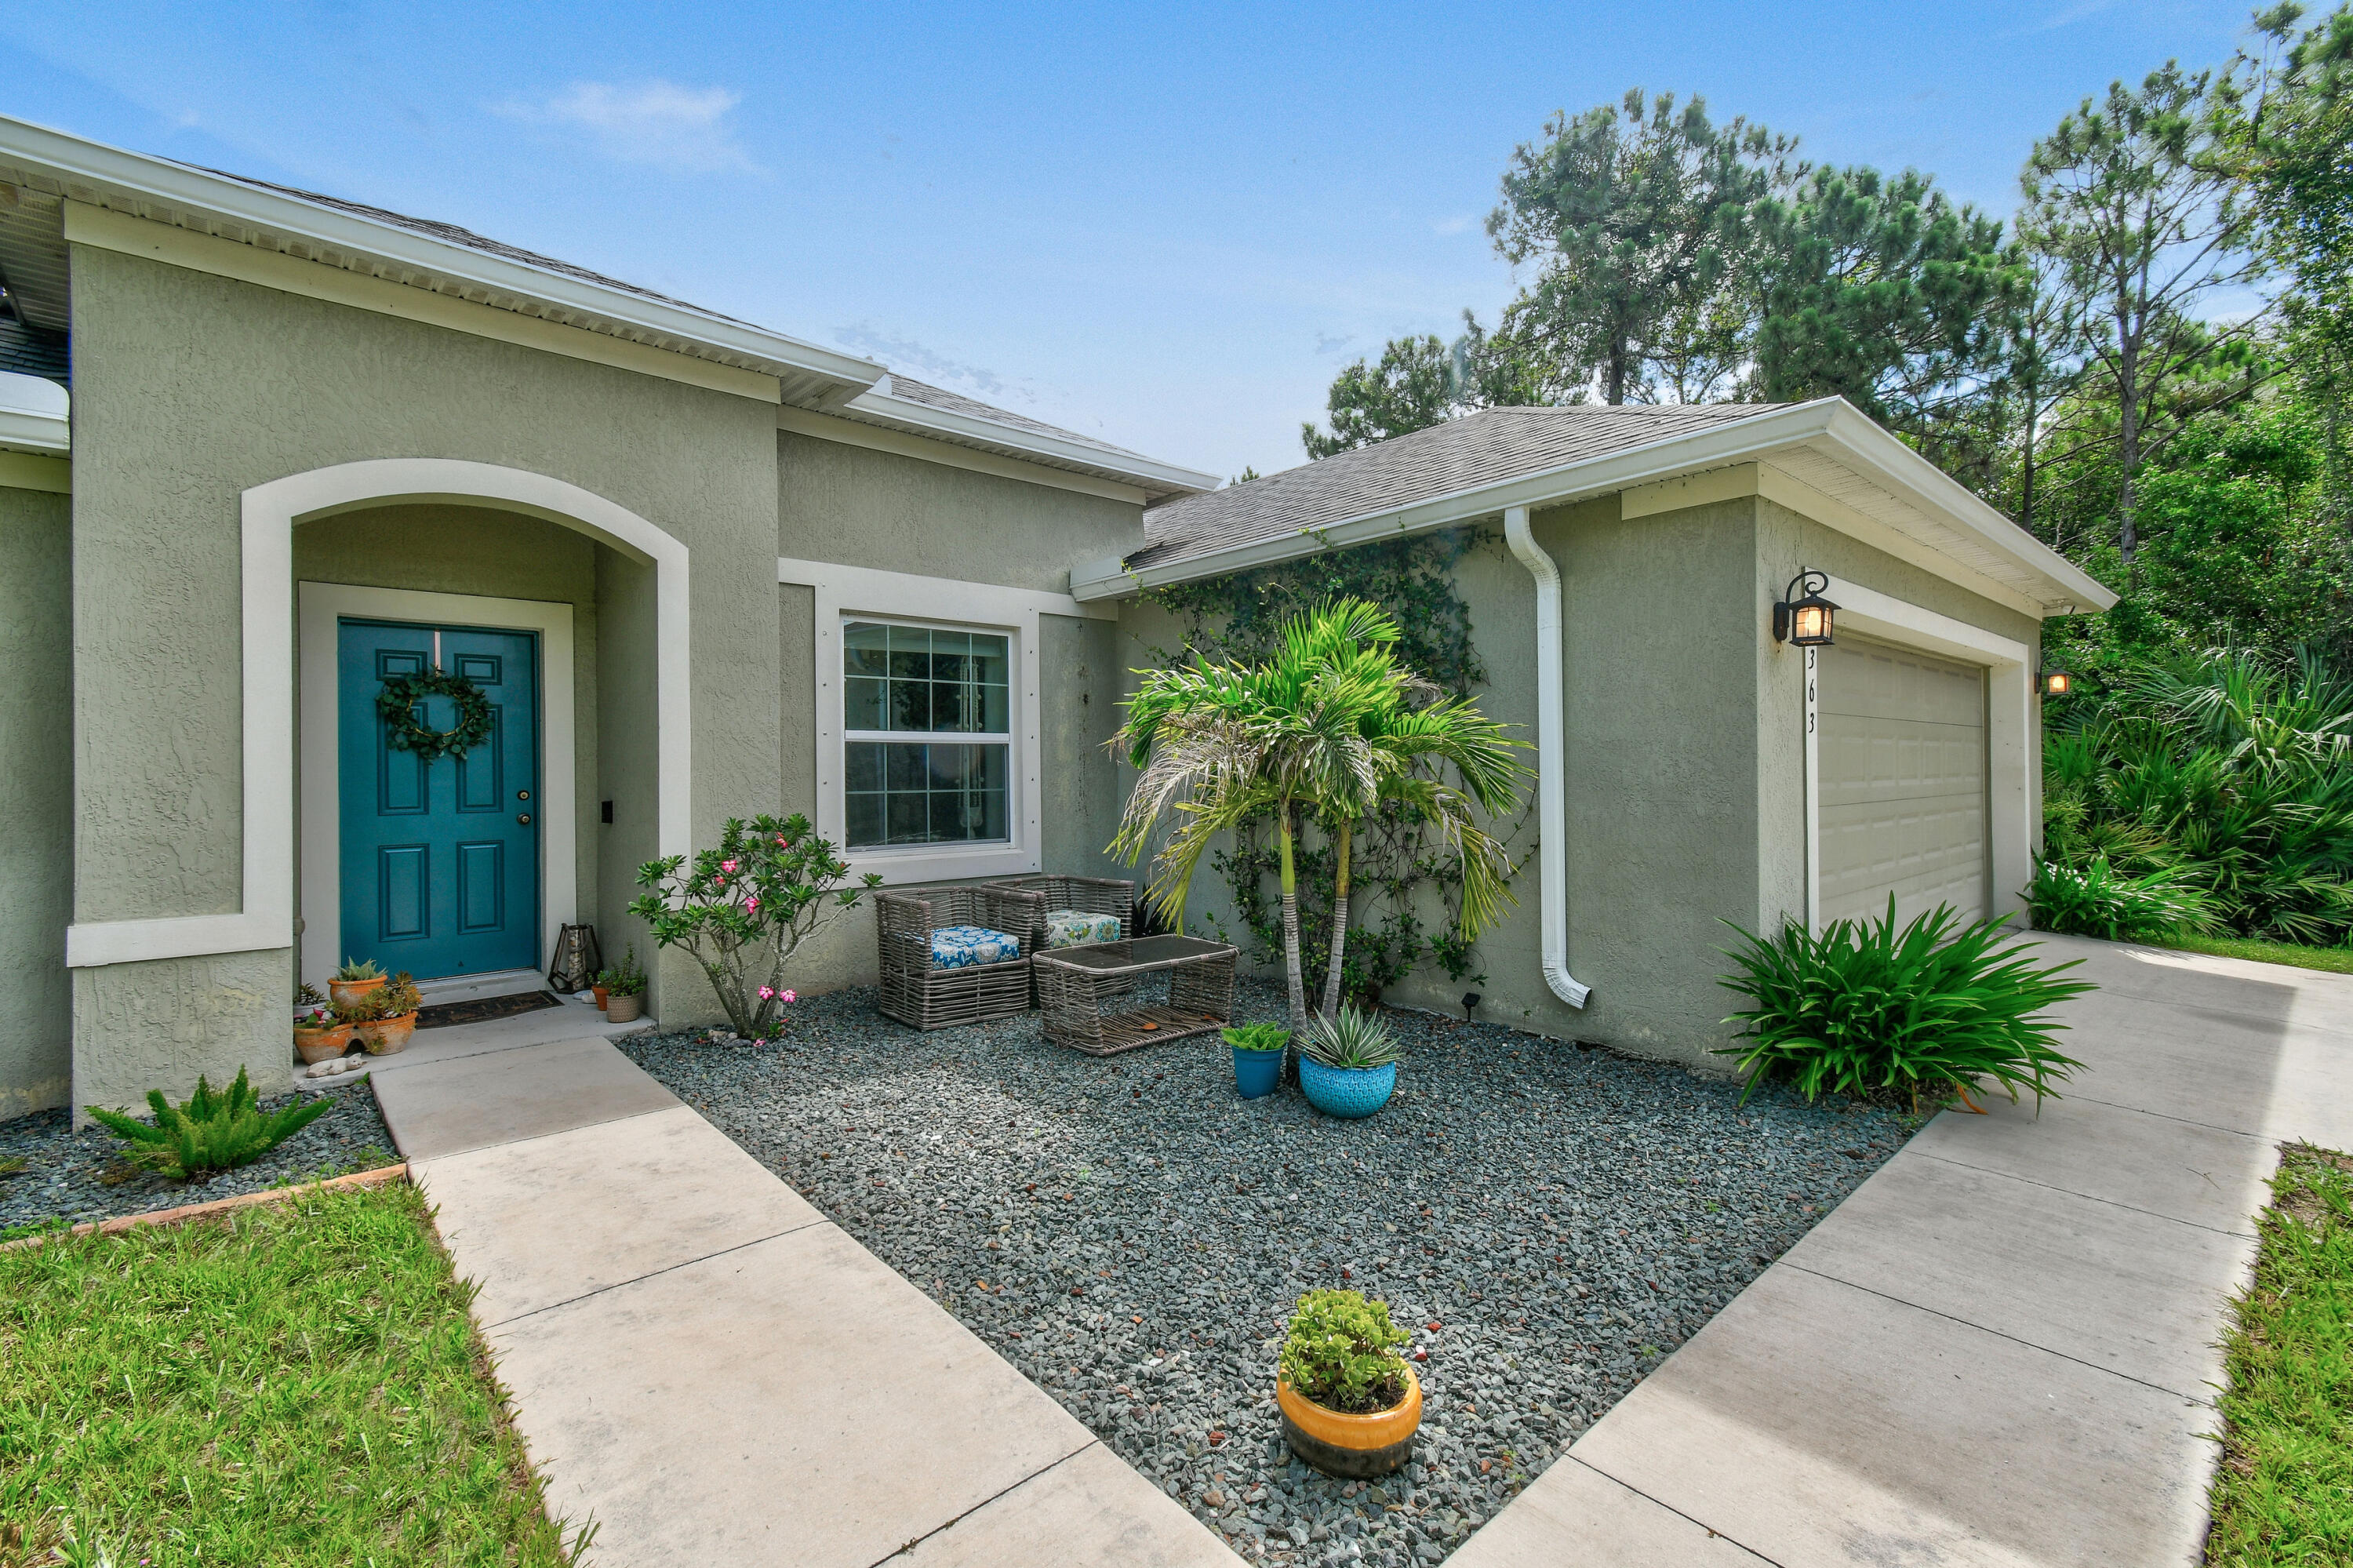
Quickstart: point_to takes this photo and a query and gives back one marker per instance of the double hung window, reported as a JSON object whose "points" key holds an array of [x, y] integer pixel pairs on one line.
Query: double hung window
{"points": [[926, 733]]}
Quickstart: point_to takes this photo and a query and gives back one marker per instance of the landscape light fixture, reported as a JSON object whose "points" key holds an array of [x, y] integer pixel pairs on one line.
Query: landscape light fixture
{"points": [[2058, 681], [1804, 618]]}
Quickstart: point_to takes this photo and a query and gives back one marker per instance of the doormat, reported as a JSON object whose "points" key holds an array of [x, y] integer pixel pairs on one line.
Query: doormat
{"points": [[483, 1010]]}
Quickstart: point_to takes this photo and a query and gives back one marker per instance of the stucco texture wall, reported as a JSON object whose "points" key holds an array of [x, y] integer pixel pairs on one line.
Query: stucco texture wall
{"points": [[859, 507], [35, 801], [190, 388]]}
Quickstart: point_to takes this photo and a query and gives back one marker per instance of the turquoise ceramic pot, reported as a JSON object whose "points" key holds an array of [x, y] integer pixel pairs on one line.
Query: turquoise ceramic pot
{"points": [[1346, 1091], [1257, 1071]]}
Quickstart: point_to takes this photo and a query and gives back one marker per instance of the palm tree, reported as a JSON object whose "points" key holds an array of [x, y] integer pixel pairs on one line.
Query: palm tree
{"points": [[1329, 727]]}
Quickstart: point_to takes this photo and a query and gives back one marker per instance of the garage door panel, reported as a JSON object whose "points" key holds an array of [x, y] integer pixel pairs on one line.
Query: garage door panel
{"points": [[1902, 771]]}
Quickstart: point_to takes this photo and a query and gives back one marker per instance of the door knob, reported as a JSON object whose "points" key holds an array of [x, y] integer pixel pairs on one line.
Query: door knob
{"points": [[522, 819]]}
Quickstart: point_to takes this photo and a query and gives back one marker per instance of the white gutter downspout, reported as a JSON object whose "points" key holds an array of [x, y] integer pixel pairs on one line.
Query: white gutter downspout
{"points": [[1552, 780]]}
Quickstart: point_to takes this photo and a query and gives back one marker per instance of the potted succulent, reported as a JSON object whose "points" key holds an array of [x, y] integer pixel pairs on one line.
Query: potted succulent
{"points": [[1347, 1063], [319, 1034], [1350, 1402], [625, 990], [388, 1016], [1258, 1057], [355, 980]]}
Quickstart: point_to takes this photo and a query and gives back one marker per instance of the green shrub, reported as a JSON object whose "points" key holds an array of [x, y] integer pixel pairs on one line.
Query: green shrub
{"points": [[210, 1132], [2095, 900], [1257, 1037], [1342, 1352], [1352, 1037], [629, 979], [1866, 1007]]}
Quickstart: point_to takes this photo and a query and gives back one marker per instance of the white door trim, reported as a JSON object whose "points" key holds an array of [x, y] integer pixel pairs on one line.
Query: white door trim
{"points": [[2009, 731], [270, 512], [322, 607]]}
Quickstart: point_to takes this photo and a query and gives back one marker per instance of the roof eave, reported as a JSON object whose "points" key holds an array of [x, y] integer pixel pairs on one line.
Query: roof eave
{"points": [[1830, 420], [106, 170], [1158, 478]]}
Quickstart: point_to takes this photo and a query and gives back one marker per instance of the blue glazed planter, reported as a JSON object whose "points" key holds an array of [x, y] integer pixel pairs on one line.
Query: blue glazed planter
{"points": [[1256, 1072], [1346, 1091]]}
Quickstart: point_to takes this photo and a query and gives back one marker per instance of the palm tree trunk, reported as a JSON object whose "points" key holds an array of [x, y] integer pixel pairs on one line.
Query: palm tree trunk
{"points": [[1290, 973], [1339, 918]]}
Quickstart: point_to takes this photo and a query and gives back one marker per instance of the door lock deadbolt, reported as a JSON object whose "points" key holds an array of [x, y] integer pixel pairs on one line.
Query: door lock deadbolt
{"points": [[522, 819], [522, 794]]}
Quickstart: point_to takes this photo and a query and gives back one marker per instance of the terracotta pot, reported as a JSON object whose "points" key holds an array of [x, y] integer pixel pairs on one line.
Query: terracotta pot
{"points": [[343, 993], [385, 1036], [324, 1044], [602, 998], [622, 1009], [1357, 1445]]}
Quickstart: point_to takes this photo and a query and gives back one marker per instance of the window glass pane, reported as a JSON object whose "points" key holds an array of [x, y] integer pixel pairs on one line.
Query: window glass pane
{"points": [[909, 769], [906, 819], [862, 703], [996, 710], [990, 662], [954, 708], [863, 765], [911, 653], [910, 703], [863, 827], [863, 648], [950, 650]]}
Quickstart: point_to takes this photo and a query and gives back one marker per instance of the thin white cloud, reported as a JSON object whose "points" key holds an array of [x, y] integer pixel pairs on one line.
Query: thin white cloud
{"points": [[2065, 16], [658, 123], [1459, 224], [905, 352]]}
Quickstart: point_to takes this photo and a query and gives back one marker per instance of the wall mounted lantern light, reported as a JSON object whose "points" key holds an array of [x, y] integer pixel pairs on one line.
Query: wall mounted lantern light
{"points": [[1804, 617], [2058, 681]]}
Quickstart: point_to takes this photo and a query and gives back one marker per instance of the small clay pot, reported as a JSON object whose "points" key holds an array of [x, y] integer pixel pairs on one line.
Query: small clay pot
{"points": [[622, 1009], [346, 993], [1339, 1444], [324, 1044], [603, 998], [387, 1036]]}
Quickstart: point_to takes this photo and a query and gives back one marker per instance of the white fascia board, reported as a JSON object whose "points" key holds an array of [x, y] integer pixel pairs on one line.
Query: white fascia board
{"points": [[879, 403], [1577, 480], [34, 415], [71, 160], [1864, 443], [1827, 421]]}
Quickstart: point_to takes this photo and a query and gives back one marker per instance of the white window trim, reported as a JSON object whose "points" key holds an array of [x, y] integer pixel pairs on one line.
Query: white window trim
{"points": [[846, 592], [2009, 731], [322, 607]]}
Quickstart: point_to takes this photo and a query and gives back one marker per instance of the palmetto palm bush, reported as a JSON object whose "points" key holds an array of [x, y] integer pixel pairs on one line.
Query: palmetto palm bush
{"points": [[1934, 1007], [2229, 774], [2095, 899]]}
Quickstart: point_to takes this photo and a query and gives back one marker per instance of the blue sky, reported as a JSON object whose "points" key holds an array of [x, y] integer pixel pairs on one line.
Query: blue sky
{"points": [[1167, 226]]}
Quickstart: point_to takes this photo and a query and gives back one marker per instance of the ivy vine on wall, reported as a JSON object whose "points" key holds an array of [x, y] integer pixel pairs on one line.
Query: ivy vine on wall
{"points": [[1395, 860]]}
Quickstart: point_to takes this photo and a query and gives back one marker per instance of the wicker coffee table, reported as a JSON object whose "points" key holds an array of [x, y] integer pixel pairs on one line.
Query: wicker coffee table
{"points": [[1085, 991]]}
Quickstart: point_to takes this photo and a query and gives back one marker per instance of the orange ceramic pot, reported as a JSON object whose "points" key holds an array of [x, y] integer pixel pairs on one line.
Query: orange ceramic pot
{"points": [[346, 993], [385, 1036], [1339, 1444], [323, 1044], [604, 997]]}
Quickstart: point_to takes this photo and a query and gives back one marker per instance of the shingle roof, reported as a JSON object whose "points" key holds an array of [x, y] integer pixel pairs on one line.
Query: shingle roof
{"points": [[957, 403], [1479, 448], [31, 351]]}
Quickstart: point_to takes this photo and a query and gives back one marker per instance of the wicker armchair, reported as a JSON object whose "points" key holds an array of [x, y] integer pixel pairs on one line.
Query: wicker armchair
{"points": [[918, 992], [1092, 895]]}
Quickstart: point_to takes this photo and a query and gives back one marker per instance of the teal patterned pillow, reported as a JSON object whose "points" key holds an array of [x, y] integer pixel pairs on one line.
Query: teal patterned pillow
{"points": [[1079, 927], [962, 947]]}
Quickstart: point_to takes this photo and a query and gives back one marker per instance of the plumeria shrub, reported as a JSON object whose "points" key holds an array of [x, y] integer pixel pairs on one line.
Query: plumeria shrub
{"points": [[742, 908]]}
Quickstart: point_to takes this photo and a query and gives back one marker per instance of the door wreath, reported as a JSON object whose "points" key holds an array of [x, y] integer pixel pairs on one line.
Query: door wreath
{"points": [[401, 695]]}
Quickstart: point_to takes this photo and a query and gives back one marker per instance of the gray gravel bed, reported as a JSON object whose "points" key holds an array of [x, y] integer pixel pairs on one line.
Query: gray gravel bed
{"points": [[78, 1176], [1548, 1221]]}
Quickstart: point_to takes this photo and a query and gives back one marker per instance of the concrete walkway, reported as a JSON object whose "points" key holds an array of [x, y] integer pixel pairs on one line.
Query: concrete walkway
{"points": [[2000, 1349], [714, 1371]]}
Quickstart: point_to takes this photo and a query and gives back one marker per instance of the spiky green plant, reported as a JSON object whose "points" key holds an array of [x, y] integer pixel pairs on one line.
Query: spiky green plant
{"points": [[209, 1132], [1257, 1036], [2095, 899], [1866, 1006], [1352, 1037]]}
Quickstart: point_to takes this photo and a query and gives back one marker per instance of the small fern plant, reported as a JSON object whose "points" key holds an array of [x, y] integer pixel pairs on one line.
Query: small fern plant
{"points": [[1867, 1007], [210, 1132]]}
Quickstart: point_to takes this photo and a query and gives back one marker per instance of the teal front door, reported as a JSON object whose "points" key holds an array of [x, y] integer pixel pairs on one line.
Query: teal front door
{"points": [[440, 859]]}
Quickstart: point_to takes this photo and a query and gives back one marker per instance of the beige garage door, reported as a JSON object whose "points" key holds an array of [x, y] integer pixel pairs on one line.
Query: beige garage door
{"points": [[1902, 760]]}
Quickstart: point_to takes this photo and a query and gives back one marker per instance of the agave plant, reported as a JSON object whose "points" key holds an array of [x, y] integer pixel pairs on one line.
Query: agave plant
{"points": [[209, 1132], [1866, 1006], [1350, 1037]]}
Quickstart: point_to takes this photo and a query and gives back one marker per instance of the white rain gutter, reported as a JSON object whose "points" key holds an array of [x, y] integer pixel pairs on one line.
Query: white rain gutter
{"points": [[1551, 747]]}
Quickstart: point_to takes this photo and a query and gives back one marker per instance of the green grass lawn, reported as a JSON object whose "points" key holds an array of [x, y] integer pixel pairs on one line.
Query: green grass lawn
{"points": [[299, 1383], [2335, 961], [2284, 1492]]}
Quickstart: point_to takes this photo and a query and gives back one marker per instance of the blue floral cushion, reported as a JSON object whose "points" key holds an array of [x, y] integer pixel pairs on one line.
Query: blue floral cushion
{"points": [[1079, 927], [962, 947]]}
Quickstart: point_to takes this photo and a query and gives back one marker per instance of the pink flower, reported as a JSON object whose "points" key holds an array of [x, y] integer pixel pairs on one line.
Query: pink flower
{"points": [[767, 992], [788, 996], [727, 865], [750, 904]]}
